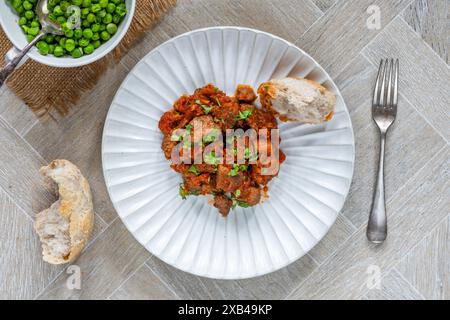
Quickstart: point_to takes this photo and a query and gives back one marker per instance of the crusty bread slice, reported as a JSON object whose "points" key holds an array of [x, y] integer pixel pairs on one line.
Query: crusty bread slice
{"points": [[64, 228], [298, 99]]}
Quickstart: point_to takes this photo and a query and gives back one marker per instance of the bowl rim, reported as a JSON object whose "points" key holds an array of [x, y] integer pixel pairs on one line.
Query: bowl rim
{"points": [[142, 61], [73, 63]]}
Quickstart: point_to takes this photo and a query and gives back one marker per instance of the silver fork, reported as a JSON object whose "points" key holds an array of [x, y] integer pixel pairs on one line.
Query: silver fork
{"points": [[384, 111]]}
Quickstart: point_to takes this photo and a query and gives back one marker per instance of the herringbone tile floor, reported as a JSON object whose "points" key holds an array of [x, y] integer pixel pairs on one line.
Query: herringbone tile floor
{"points": [[415, 260]]}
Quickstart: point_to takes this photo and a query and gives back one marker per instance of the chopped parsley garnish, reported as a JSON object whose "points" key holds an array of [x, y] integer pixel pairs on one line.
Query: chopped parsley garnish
{"points": [[243, 167], [234, 172], [236, 168], [189, 127], [244, 114], [217, 101], [237, 202], [175, 137], [183, 193], [206, 109], [187, 145], [193, 170], [243, 204], [211, 136], [247, 152], [212, 159], [250, 155]]}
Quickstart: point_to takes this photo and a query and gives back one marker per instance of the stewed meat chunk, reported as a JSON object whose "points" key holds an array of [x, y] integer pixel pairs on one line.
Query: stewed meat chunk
{"points": [[223, 203], [235, 176]]}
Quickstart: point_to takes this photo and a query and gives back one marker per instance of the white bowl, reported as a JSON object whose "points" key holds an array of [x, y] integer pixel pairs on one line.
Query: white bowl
{"points": [[9, 22], [304, 200]]}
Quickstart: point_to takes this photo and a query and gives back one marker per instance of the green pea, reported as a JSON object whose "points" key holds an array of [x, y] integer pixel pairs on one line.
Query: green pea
{"points": [[86, 3], [17, 4], [105, 36], [91, 18], [83, 42], [77, 53], [61, 19], [121, 10], [95, 27], [29, 14], [58, 52], [101, 14], [103, 3], [33, 31], [20, 11], [89, 49], [87, 33], [43, 47], [69, 33], [117, 19], [70, 45], [23, 21], [57, 11], [111, 28], [111, 8], [51, 48], [95, 36], [78, 33], [96, 8], [49, 38], [27, 5], [30, 37], [97, 44], [64, 5]]}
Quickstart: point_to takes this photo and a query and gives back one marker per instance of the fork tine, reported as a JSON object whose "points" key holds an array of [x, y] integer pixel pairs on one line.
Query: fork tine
{"points": [[376, 91], [395, 95], [383, 85], [390, 84]]}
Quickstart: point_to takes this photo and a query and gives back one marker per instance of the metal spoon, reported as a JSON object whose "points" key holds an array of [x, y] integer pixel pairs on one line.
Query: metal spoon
{"points": [[48, 26]]}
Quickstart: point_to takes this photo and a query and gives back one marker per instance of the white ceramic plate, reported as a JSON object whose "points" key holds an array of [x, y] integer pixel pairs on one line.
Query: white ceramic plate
{"points": [[191, 235]]}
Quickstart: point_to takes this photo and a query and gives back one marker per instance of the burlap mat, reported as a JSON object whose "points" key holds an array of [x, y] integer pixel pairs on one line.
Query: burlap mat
{"points": [[43, 88]]}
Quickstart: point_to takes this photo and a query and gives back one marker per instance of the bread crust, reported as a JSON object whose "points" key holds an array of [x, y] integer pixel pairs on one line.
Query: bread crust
{"points": [[321, 104], [75, 206]]}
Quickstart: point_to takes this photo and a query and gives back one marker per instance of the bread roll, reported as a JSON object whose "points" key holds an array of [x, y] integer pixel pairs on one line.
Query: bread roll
{"points": [[298, 99], [64, 228]]}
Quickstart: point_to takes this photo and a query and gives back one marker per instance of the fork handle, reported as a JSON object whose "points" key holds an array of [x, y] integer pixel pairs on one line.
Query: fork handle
{"points": [[377, 226]]}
